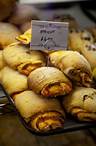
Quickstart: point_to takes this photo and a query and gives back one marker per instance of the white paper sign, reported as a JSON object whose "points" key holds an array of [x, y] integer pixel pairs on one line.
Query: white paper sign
{"points": [[49, 35]]}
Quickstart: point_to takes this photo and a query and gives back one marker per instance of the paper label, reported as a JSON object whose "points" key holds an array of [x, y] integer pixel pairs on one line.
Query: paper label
{"points": [[49, 35]]}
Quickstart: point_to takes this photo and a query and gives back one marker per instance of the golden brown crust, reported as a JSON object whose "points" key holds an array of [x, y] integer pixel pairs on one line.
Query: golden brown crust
{"points": [[12, 80], [81, 103], [49, 79], [20, 58], [74, 65], [42, 113]]}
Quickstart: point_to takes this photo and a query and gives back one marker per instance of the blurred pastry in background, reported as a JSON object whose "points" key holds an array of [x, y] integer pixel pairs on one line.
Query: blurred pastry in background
{"points": [[89, 52], [12, 81], [44, 114], [6, 8], [74, 65], [20, 58], [23, 13], [66, 18], [26, 26], [2, 62], [77, 38], [81, 103], [93, 31], [8, 34], [49, 82]]}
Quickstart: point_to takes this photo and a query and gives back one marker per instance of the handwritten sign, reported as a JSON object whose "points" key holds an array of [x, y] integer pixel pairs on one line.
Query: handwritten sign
{"points": [[49, 35]]}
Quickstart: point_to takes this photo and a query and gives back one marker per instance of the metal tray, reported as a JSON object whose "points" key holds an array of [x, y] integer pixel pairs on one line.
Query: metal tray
{"points": [[70, 123]]}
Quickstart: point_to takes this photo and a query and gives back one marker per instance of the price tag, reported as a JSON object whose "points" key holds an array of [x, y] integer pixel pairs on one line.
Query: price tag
{"points": [[49, 35]]}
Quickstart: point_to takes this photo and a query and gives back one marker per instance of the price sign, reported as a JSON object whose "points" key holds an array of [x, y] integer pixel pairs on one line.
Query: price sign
{"points": [[49, 35]]}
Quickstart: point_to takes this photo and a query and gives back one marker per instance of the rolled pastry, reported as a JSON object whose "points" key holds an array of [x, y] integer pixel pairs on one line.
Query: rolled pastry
{"points": [[44, 114], [49, 81], [89, 52], [8, 33], [93, 31], [81, 103], [13, 81], [25, 38], [74, 65], [20, 58], [78, 38], [2, 62]]}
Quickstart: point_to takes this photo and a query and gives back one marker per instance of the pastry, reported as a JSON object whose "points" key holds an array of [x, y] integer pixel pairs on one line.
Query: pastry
{"points": [[66, 18], [12, 81], [6, 8], [22, 14], [24, 27], [74, 65], [8, 34], [19, 57], [77, 38], [93, 31], [43, 114], [2, 62], [89, 52], [25, 38], [49, 82], [81, 103]]}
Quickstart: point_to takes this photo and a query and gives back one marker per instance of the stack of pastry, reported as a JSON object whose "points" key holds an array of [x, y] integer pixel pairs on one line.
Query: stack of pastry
{"points": [[36, 87]]}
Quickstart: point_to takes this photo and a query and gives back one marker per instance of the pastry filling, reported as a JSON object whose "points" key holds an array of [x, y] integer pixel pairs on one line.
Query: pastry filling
{"points": [[27, 68], [56, 89], [80, 77], [25, 38], [47, 121], [83, 115]]}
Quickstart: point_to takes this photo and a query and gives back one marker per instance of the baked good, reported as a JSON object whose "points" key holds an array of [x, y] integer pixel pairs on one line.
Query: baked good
{"points": [[8, 34], [66, 18], [93, 31], [43, 114], [49, 82], [6, 8], [2, 62], [74, 65], [13, 81], [89, 52], [77, 38], [25, 38], [81, 103], [19, 57], [22, 14], [24, 27]]}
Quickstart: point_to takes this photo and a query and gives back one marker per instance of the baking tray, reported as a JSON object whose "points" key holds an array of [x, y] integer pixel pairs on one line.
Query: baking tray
{"points": [[70, 123]]}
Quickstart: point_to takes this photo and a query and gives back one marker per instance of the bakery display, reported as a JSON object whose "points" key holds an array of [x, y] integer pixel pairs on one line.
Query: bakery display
{"points": [[8, 34], [44, 114], [49, 81], [74, 65], [37, 81], [18, 57], [81, 104]]}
